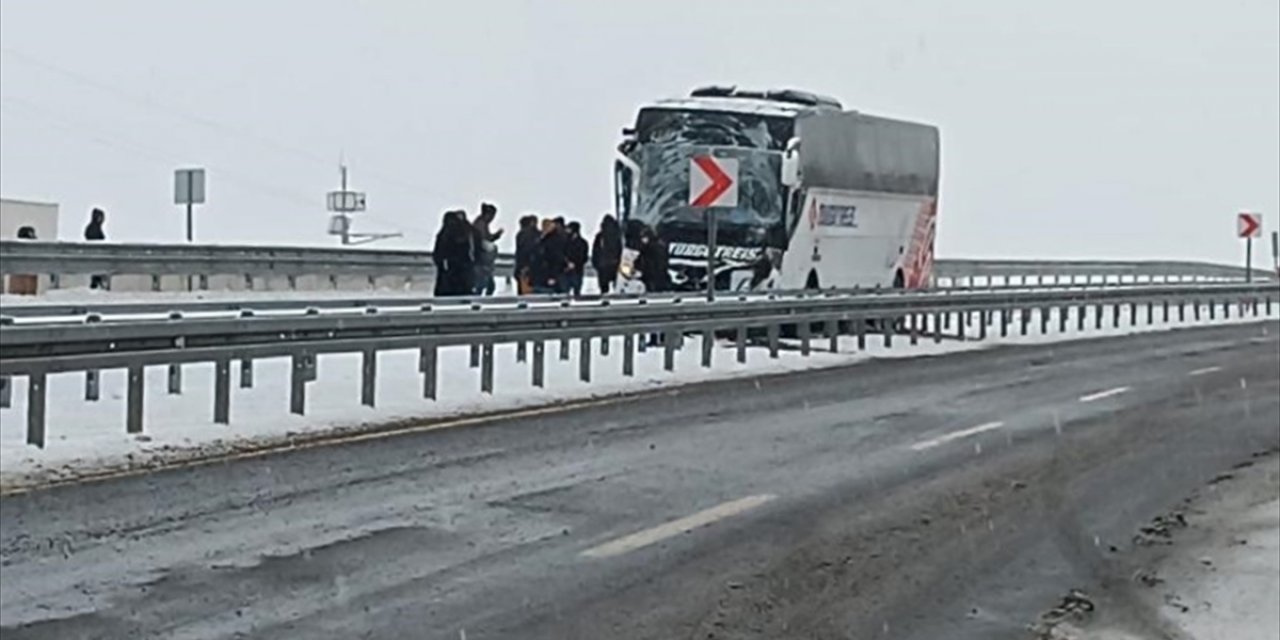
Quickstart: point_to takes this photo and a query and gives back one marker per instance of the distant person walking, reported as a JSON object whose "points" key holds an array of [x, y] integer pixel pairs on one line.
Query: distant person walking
{"points": [[526, 247], [606, 253], [454, 255], [576, 254], [486, 249], [93, 232]]}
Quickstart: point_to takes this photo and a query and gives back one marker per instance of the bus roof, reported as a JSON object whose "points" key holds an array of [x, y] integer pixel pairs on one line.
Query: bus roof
{"points": [[754, 106]]}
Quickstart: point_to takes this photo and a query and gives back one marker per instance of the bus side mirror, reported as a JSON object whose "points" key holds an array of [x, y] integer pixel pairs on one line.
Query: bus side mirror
{"points": [[791, 163]]}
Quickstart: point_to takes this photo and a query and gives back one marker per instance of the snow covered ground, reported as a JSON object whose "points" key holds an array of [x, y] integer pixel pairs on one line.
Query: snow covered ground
{"points": [[89, 437], [1220, 579]]}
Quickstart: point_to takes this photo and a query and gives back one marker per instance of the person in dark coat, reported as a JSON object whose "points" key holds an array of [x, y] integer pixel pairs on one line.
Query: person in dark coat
{"points": [[654, 263], [526, 246], [576, 253], [606, 253], [549, 263], [454, 255], [93, 232]]}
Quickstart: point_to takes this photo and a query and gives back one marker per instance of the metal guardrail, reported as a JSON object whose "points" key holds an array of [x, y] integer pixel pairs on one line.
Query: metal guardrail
{"points": [[40, 350], [250, 264]]}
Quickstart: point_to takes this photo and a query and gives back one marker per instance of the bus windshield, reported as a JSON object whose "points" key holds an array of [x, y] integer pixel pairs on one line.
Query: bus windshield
{"points": [[663, 192], [713, 128]]}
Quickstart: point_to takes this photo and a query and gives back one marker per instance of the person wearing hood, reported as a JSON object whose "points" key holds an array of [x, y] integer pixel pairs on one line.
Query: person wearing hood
{"points": [[93, 232], [576, 253], [454, 255], [606, 253]]}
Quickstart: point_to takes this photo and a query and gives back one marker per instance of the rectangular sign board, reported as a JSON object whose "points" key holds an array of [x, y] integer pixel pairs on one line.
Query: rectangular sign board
{"points": [[188, 186]]}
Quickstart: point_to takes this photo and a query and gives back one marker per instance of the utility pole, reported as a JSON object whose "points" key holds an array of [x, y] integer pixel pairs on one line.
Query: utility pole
{"points": [[342, 204]]}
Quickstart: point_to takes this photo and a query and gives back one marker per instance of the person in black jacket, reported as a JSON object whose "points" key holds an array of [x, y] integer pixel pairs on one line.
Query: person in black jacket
{"points": [[454, 255], [526, 246], [655, 267], [576, 253], [549, 263], [606, 253], [93, 232]]}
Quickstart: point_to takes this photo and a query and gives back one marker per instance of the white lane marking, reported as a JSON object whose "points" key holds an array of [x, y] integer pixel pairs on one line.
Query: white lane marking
{"points": [[1200, 372], [1104, 394], [955, 435], [686, 524]]}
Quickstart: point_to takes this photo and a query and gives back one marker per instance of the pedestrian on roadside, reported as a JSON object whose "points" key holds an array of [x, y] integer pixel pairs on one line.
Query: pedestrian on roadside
{"points": [[576, 253], [654, 269], [606, 253], [549, 264], [486, 249], [454, 255], [93, 232], [526, 246]]}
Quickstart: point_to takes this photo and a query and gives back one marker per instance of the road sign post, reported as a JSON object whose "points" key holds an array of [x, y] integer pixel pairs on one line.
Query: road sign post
{"points": [[713, 182], [1275, 254], [1248, 226]]}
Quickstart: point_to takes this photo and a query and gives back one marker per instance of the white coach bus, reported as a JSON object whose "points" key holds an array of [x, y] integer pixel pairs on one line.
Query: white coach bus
{"points": [[826, 197]]}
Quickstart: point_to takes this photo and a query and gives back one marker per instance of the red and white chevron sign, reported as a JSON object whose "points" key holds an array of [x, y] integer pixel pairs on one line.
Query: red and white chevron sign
{"points": [[1249, 225], [713, 182]]}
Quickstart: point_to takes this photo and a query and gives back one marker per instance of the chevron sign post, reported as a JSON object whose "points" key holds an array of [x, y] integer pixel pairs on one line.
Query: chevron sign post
{"points": [[713, 182]]}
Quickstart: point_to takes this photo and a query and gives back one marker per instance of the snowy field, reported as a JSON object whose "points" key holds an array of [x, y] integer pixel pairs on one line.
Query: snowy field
{"points": [[89, 438]]}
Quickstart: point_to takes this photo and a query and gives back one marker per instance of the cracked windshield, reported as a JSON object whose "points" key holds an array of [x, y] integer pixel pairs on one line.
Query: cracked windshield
{"points": [[561, 320]]}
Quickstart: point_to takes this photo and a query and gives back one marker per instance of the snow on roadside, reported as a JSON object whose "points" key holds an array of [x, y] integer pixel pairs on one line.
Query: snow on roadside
{"points": [[1219, 578], [88, 438]]}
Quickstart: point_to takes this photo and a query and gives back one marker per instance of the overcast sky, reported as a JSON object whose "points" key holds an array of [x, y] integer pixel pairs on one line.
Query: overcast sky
{"points": [[1083, 129]]}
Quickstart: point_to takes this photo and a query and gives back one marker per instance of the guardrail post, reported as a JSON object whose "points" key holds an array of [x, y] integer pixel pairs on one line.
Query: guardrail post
{"points": [[486, 368], [887, 329], [914, 329], [833, 335], [92, 385], [804, 329], [1253, 303], [642, 344], [427, 367], [860, 331], [1133, 313], [1115, 316], [584, 358], [984, 322], [1213, 310], [604, 345], [522, 351], [1064, 316], [669, 350], [1226, 309], [6, 392], [1024, 319], [937, 326], [1166, 311], [564, 348], [1081, 311], [708, 344], [1195, 309], [946, 322], [246, 373], [539, 363], [1151, 313], [175, 379], [222, 391], [629, 354], [298, 384], [962, 324], [741, 339], [475, 355], [369, 377], [36, 388], [1268, 304], [1097, 315], [1004, 323], [137, 395], [773, 332]]}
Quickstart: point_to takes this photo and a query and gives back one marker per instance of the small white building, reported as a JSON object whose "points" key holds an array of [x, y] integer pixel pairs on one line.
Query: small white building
{"points": [[40, 216]]}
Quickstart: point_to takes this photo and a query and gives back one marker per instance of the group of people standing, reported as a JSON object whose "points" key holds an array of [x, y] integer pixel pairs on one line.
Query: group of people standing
{"points": [[551, 254]]}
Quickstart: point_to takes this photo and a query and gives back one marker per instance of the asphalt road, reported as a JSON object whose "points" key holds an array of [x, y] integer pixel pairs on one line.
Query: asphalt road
{"points": [[949, 497]]}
